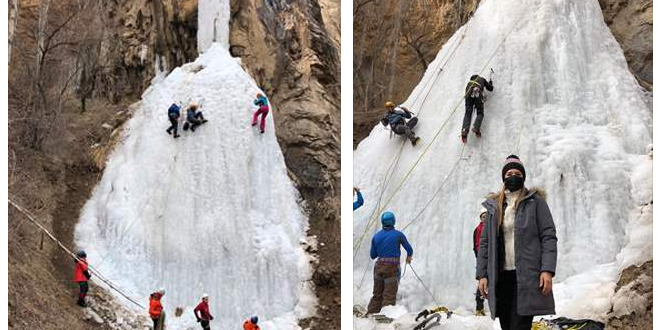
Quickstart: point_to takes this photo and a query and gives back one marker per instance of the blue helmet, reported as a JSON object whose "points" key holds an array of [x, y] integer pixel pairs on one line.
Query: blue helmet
{"points": [[81, 254], [254, 319], [387, 219]]}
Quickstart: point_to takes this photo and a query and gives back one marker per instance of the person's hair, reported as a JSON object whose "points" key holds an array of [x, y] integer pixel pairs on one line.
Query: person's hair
{"points": [[193, 107], [500, 203]]}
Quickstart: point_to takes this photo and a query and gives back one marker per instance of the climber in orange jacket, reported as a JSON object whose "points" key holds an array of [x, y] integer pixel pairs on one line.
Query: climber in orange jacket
{"points": [[81, 275], [155, 307], [251, 324]]}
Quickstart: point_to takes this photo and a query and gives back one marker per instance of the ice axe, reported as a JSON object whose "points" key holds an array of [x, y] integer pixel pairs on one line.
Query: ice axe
{"points": [[492, 73]]}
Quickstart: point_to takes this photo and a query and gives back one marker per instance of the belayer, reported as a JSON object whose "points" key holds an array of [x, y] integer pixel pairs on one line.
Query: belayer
{"points": [[204, 316], [474, 99], [262, 111], [396, 117], [386, 246], [251, 324], [194, 118], [156, 309], [173, 114], [476, 235], [81, 276]]}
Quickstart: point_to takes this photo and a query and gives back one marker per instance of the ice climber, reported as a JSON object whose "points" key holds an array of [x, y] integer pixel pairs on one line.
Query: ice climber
{"points": [[194, 118], [204, 317], [156, 308], [81, 276], [517, 251], [173, 114], [396, 118], [263, 109], [251, 324], [386, 246], [474, 99], [360, 200], [476, 235]]}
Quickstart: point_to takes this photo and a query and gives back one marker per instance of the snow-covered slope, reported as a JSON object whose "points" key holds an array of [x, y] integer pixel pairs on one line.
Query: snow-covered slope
{"points": [[210, 212], [565, 102]]}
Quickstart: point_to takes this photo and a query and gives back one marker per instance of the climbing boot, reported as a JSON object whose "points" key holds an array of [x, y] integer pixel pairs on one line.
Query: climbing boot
{"points": [[477, 132], [480, 312]]}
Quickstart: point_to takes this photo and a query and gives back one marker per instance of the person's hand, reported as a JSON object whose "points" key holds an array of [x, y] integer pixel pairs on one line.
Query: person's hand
{"points": [[211, 318], [199, 320], [545, 283], [408, 259], [483, 287]]}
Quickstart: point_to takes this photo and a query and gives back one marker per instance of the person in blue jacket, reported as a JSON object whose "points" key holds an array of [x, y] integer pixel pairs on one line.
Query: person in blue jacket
{"points": [[262, 103], [396, 117], [386, 246], [360, 200], [194, 118], [173, 114]]}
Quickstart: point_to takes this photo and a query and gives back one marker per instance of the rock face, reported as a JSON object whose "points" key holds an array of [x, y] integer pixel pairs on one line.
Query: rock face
{"points": [[140, 36], [293, 55], [631, 23], [633, 299], [393, 43]]}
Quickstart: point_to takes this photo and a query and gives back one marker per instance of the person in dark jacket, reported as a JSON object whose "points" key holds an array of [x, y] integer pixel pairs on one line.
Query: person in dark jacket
{"points": [[202, 312], [360, 200], [173, 114], [474, 99], [81, 276], [386, 246], [396, 117], [476, 235], [194, 118], [517, 251]]}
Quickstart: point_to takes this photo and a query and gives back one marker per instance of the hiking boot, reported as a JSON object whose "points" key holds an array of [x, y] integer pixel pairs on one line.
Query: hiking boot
{"points": [[176, 135], [415, 141], [81, 303], [262, 131], [480, 312], [204, 121], [477, 132], [192, 128], [169, 131]]}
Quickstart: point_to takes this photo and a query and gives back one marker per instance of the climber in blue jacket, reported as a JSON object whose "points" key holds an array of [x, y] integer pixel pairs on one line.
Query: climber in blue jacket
{"points": [[386, 246], [360, 200]]}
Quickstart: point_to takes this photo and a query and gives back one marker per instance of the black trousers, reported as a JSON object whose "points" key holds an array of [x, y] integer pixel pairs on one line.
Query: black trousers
{"points": [[470, 105], [479, 300], [196, 120], [507, 303], [205, 325], [406, 129], [84, 287], [174, 125]]}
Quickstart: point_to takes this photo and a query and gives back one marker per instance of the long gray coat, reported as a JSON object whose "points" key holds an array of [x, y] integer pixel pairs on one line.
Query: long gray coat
{"points": [[535, 250]]}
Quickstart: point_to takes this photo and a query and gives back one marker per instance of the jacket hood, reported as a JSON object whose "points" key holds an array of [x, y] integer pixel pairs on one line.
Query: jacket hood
{"points": [[491, 197]]}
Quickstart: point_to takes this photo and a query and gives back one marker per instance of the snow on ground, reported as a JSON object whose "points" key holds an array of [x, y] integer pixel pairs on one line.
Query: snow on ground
{"points": [[566, 103], [213, 211]]}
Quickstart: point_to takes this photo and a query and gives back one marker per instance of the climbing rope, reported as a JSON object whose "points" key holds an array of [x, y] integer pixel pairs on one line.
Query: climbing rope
{"points": [[93, 270], [423, 285], [407, 175]]}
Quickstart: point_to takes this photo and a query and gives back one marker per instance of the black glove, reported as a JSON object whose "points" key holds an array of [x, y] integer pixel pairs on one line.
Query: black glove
{"points": [[199, 320], [211, 318], [87, 274]]}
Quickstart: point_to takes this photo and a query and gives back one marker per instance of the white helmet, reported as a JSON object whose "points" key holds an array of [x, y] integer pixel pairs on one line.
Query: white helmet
{"points": [[161, 291], [483, 210], [206, 295]]}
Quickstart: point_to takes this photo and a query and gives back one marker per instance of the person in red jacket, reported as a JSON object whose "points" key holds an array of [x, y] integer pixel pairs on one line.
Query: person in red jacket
{"points": [[155, 307], [204, 316], [476, 235], [251, 324], [81, 275]]}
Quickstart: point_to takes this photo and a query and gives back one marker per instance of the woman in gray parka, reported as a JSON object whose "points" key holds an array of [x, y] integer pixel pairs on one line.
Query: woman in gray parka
{"points": [[517, 251]]}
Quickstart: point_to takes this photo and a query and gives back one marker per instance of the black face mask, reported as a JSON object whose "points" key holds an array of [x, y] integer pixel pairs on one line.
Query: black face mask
{"points": [[514, 183]]}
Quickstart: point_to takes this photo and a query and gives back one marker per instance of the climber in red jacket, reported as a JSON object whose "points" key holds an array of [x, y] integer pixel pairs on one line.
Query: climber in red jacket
{"points": [[476, 236]]}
